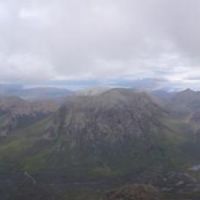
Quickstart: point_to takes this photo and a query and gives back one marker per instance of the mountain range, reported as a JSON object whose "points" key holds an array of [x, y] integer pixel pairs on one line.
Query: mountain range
{"points": [[88, 143]]}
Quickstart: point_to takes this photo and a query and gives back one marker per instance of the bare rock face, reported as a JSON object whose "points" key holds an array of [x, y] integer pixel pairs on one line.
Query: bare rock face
{"points": [[134, 192], [110, 132], [114, 115]]}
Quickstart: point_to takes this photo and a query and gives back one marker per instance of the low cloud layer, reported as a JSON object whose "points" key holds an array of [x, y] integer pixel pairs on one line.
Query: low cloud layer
{"points": [[42, 40]]}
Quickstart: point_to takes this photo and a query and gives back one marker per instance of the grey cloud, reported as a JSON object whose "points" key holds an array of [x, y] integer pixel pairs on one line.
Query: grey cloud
{"points": [[42, 39]]}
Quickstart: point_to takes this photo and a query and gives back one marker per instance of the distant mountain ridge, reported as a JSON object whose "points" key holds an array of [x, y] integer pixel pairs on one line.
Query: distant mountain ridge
{"points": [[34, 93], [16, 112]]}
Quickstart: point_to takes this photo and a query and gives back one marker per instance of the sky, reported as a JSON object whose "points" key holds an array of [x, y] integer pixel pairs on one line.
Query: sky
{"points": [[45, 41]]}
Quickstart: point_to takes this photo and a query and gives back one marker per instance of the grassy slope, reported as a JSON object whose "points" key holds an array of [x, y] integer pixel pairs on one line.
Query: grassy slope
{"points": [[27, 151]]}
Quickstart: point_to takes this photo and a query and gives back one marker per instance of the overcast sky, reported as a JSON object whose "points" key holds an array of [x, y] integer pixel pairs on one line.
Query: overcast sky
{"points": [[43, 40]]}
